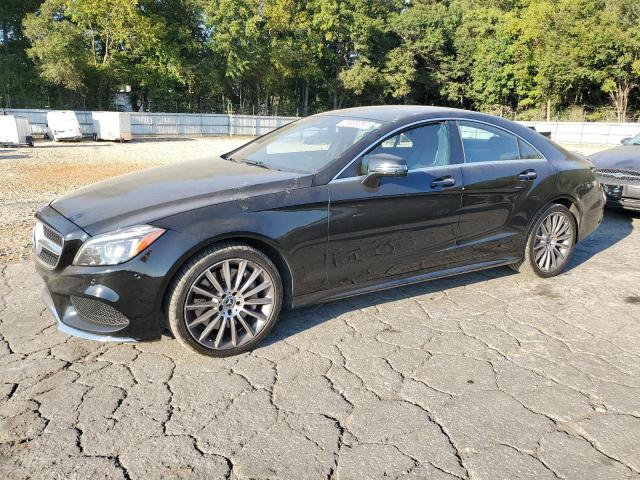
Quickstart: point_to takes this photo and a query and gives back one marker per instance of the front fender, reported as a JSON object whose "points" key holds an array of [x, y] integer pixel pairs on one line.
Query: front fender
{"points": [[294, 223]]}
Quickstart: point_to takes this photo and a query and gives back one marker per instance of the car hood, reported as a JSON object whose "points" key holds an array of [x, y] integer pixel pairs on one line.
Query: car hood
{"points": [[626, 157], [155, 193]]}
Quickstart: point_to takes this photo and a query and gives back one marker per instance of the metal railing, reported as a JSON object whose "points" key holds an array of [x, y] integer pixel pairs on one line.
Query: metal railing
{"points": [[215, 124], [586, 133], [145, 124]]}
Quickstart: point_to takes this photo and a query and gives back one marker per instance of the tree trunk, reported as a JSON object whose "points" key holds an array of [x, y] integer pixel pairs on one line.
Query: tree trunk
{"points": [[93, 46], [620, 98], [548, 109], [258, 97], [305, 104], [5, 38]]}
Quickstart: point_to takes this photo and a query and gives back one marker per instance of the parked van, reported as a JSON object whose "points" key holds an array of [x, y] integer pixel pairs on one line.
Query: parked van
{"points": [[15, 131], [63, 125], [114, 126]]}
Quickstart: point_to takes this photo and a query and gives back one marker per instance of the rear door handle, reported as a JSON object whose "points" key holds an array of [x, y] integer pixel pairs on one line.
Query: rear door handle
{"points": [[443, 182], [528, 175]]}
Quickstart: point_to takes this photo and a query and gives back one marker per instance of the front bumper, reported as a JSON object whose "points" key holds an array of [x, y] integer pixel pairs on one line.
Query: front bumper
{"points": [[109, 303], [76, 332], [67, 135], [623, 196]]}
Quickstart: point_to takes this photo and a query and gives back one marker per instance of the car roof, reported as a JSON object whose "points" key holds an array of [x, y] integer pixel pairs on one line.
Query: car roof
{"points": [[393, 113]]}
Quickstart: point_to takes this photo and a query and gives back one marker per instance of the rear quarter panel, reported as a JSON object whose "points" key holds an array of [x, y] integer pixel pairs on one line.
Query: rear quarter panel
{"points": [[576, 181]]}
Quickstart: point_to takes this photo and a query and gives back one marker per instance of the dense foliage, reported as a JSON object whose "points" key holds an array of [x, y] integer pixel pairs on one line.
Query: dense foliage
{"points": [[526, 58]]}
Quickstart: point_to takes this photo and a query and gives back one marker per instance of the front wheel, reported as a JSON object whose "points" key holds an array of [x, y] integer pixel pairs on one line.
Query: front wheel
{"points": [[550, 243], [225, 300]]}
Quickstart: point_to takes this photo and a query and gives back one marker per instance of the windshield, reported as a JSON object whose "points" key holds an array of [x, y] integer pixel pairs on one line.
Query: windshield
{"points": [[634, 141], [307, 145]]}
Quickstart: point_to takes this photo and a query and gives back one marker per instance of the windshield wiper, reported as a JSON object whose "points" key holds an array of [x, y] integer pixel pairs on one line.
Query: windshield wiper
{"points": [[256, 163]]}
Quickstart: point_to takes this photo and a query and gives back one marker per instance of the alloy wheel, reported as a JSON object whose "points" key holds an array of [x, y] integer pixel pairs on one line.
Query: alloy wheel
{"points": [[229, 304], [554, 238]]}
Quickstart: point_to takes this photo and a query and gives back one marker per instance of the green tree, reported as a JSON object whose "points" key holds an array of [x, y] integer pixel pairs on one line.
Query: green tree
{"points": [[610, 46], [515, 57], [415, 69], [493, 81], [547, 48], [17, 80], [98, 46]]}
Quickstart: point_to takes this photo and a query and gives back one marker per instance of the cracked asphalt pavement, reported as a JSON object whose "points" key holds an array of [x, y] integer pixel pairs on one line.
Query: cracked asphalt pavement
{"points": [[488, 375]]}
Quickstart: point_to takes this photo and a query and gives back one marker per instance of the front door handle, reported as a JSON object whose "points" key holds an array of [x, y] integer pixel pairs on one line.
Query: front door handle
{"points": [[443, 182], [528, 175]]}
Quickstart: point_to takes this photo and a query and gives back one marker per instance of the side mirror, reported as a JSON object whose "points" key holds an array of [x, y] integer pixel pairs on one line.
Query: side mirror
{"points": [[384, 165], [625, 140]]}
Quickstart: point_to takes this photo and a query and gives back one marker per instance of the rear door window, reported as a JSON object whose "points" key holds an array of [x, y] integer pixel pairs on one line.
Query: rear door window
{"points": [[484, 143], [527, 152]]}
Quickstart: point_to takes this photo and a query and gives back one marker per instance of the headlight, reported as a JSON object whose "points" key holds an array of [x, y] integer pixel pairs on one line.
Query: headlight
{"points": [[117, 247]]}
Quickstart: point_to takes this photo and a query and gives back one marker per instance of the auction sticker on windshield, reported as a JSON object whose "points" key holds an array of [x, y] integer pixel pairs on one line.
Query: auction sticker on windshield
{"points": [[359, 124]]}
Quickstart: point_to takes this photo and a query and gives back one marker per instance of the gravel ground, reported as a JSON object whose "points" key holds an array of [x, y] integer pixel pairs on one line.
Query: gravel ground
{"points": [[32, 177], [490, 375]]}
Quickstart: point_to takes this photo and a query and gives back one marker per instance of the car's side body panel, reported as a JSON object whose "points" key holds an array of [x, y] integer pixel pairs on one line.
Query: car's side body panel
{"points": [[404, 225], [497, 207], [337, 293]]}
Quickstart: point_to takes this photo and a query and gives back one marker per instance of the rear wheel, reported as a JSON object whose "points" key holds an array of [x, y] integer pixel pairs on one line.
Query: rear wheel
{"points": [[225, 300], [550, 243]]}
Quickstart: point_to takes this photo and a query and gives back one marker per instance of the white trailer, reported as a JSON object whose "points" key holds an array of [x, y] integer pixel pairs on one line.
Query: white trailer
{"points": [[114, 126], [63, 125], [15, 131]]}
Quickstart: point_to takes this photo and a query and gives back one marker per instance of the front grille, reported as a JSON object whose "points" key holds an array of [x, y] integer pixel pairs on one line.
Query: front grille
{"points": [[52, 235], [48, 257], [614, 174], [98, 312], [47, 244]]}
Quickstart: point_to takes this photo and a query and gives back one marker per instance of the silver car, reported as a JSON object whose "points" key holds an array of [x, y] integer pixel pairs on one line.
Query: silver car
{"points": [[618, 169]]}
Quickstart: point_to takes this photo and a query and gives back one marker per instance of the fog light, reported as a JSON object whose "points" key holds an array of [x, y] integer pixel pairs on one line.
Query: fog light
{"points": [[613, 191]]}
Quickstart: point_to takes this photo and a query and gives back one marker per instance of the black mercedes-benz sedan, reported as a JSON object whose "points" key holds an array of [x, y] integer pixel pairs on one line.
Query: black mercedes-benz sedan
{"points": [[333, 205], [618, 169]]}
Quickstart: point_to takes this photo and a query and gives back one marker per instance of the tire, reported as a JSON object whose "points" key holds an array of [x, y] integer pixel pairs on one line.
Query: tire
{"points": [[547, 255], [237, 313]]}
